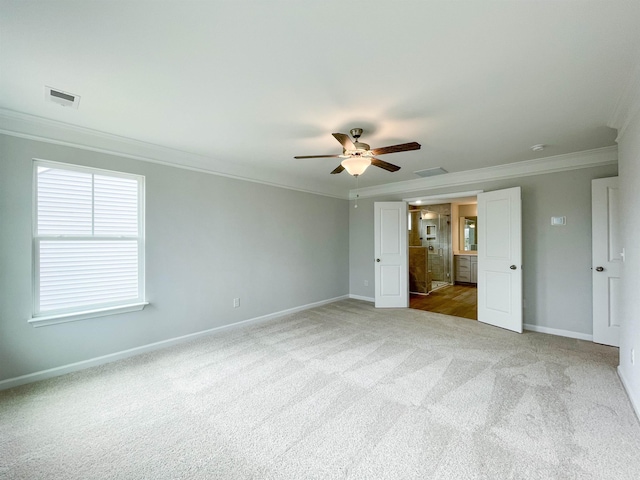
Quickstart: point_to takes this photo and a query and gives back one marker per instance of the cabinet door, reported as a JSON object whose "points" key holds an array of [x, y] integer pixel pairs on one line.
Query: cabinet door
{"points": [[474, 270], [463, 269]]}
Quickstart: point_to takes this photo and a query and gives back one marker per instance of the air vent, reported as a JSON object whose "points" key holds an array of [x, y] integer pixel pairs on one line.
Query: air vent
{"points": [[59, 97], [430, 172]]}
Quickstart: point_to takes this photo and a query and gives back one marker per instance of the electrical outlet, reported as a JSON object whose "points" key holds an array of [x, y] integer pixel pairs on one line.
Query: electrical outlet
{"points": [[236, 302], [633, 356], [366, 283]]}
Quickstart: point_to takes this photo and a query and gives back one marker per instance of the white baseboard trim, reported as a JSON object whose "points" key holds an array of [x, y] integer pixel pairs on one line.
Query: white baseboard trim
{"points": [[632, 400], [360, 297], [112, 357], [558, 332]]}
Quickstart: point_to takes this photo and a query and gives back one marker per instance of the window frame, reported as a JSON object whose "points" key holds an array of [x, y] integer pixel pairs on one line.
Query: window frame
{"points": [[69, 314]]}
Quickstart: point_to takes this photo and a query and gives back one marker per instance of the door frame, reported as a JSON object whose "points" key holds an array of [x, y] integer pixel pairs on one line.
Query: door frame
{"points": [[444, 198]]}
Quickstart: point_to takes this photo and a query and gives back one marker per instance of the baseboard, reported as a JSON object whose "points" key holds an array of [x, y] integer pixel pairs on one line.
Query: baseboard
{"points": [[360, 297], [558, 332], [634, 402], [112, 357]]}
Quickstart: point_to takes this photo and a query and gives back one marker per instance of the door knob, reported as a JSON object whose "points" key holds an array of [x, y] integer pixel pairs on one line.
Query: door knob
{"points": [[599, 269], [513, 267], [377, 259]]}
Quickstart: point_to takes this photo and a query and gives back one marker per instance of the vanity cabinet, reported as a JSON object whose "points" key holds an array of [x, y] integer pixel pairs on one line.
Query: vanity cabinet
{"points": [[466, 268]]}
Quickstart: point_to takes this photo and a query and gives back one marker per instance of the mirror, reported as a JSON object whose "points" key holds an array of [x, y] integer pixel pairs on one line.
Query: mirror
{"points": [[468, 234]]}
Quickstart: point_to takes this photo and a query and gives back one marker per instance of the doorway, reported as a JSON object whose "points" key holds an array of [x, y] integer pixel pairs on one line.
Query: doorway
{"points": [[429, 248], [442, 256]]}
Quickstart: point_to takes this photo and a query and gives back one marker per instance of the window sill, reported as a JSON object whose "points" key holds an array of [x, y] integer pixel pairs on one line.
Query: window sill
{"points": [[45, 320]]}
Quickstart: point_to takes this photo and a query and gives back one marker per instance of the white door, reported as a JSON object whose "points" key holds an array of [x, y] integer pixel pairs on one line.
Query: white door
{"points": [[500, 259], [391, 250], [606, 260]]}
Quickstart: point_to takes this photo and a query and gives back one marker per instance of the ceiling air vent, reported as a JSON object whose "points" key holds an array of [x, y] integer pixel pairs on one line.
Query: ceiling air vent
{"points": [[59, 97], [430, 172]]}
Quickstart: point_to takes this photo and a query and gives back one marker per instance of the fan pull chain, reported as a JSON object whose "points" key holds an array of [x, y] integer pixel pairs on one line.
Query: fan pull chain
{"points": [[357, 195]]}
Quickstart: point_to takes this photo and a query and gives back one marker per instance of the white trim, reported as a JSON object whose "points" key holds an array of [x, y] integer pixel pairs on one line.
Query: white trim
{"points": [[112, 357], [558, 332], [444, 196], [43, 162], [43, 321], [634, 403], [360, 297], [30, 127], [558, 163], [628, 105]]}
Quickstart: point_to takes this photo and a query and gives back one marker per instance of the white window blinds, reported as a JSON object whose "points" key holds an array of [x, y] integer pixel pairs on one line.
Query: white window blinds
{"points": [[88, 239]]}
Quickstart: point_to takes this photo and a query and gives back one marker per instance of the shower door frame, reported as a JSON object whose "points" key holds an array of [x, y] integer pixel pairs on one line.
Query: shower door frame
{"points": [[439, 241]]}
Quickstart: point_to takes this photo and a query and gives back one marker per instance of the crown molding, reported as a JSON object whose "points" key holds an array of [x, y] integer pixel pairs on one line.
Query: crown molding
{"points": [[540, 166], [50, 131], [31, 127], [628, 105]]}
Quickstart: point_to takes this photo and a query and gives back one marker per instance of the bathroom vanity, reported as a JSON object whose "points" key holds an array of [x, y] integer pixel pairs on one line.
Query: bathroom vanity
{"points": [[466, 268]]}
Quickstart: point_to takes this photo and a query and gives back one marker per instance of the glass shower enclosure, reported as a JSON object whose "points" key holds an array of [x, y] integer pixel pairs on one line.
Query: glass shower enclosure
{"points": [[430, 248]]}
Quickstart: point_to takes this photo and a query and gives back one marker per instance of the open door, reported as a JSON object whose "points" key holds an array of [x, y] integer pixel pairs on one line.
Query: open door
{"points": [[500, 258], [606, 260], [391, 249]]}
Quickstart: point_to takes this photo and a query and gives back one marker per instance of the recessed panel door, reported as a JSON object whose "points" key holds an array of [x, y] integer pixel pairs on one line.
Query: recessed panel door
{"points": [[391, 255], [606, 260], [500, 259]]}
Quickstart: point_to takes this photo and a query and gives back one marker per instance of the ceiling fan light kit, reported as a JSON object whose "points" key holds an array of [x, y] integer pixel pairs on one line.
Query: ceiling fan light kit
{"points": [[358, 156], [356, 165]]}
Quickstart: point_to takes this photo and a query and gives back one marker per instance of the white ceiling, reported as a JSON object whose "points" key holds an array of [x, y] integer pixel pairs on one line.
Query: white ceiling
{"points": [[246, 85]]}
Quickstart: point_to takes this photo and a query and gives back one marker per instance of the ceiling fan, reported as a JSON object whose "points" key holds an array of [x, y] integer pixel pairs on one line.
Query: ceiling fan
{"points": [[358, 156]]}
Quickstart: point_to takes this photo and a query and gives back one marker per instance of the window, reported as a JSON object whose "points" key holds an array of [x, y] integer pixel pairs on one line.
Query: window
{"points": [[88, 242]]}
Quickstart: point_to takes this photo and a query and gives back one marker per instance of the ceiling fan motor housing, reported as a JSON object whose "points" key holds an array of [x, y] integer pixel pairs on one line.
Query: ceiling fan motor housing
{"points": [[360, 146]]}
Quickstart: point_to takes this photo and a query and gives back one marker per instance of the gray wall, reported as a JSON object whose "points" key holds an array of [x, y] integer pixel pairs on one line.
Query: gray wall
{"points": [[209, 239], [629, 161], [557, 260]]}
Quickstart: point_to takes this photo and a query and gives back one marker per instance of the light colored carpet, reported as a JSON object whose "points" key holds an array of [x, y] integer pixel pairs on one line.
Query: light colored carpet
{"points": [[340, 391]]}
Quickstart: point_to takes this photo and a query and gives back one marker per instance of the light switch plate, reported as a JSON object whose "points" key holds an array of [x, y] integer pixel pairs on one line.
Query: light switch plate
{"points": [[555, 221]]}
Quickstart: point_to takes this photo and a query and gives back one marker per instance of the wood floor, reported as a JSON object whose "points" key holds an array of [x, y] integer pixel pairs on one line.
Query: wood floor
{"points": [[456, 300]]}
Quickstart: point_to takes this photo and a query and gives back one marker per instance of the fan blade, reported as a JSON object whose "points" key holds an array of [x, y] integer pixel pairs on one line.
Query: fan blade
{"points": [[344, 139], [338, 169], [403, 147], [317, 156], [389, 167]]}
